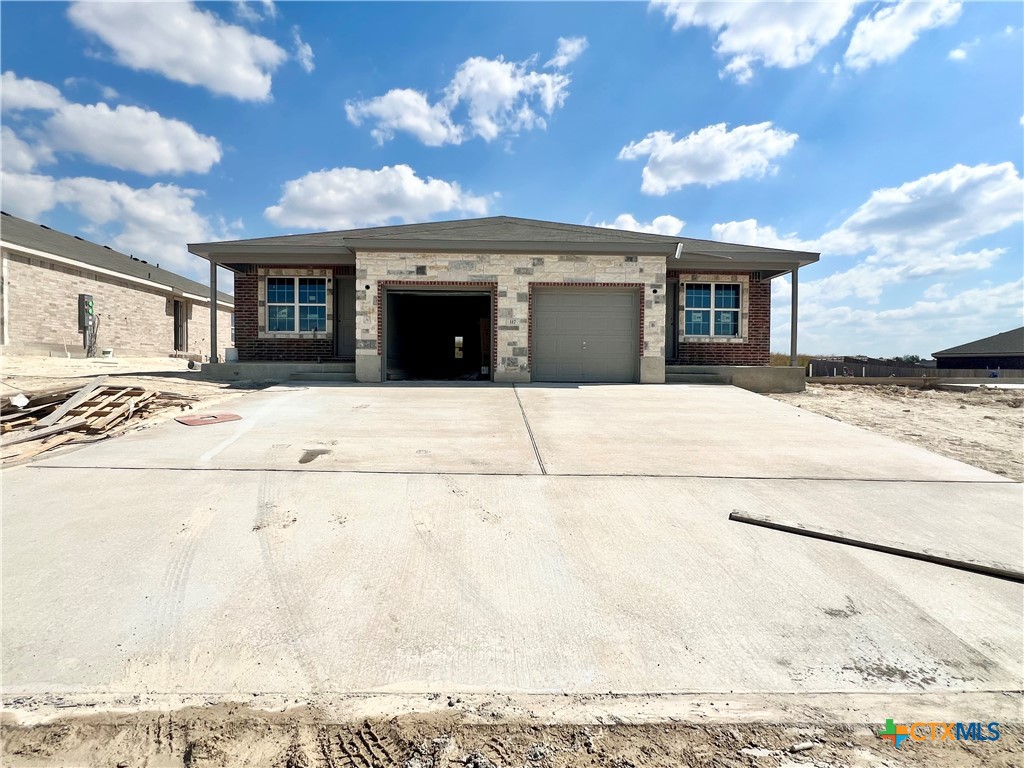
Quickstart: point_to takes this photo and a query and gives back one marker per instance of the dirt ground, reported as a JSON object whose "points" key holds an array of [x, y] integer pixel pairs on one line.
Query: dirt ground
{"points": [[981, 427], [236, 735]]}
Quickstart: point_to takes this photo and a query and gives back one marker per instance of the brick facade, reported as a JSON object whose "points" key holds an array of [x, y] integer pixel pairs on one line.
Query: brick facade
{"points": [[754, 346], [253, 346], [40, 306]]}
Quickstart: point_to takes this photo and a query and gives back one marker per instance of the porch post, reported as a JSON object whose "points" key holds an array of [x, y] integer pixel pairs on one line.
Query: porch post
{"points": [[213, 312], [792, 318]]}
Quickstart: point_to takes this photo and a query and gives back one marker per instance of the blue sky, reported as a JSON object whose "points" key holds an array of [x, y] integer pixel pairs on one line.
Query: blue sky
{"points": [[888, 136]]}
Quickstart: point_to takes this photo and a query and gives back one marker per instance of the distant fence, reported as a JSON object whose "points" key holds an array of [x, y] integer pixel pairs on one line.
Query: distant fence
{"points": [[817, 368]]}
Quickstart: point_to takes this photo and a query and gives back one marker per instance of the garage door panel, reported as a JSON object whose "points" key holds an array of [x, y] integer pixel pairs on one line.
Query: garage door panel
{"points": [[582, 335]]}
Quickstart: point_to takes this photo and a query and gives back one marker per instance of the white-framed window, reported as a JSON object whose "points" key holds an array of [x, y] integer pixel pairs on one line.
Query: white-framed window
{"points": [[712, 309], [296, 304]]}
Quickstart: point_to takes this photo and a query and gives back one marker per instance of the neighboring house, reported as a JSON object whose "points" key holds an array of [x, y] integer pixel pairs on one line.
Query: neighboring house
{"points": [[507, 299], [141, 309], [1004, 350]]}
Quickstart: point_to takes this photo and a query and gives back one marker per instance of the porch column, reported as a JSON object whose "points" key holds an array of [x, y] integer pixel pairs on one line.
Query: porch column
{"points": [[213, 312], [792, 318]]}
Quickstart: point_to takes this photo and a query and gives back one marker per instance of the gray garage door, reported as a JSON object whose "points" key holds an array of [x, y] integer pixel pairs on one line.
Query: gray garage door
{"points": [[585, 335]]}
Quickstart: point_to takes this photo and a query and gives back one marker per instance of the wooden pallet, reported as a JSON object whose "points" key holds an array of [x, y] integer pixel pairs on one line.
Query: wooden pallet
{"points": [[69, 415]]}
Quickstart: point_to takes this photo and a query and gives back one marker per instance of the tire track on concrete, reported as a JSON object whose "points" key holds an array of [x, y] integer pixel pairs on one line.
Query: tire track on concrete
{"points": [[270, 495], [174, 584]]}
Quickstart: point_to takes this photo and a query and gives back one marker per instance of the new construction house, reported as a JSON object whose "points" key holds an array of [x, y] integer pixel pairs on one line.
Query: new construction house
{"points": [[507, 300]]}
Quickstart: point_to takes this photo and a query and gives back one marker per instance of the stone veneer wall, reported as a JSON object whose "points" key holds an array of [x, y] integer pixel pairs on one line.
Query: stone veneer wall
{"points": [[513, 275], [753, 348]]}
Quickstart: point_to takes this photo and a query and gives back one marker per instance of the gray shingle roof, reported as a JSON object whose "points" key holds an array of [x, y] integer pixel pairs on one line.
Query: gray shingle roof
{"points": [[41, 238], [493, 228], [1008, 343], [489, 229]]}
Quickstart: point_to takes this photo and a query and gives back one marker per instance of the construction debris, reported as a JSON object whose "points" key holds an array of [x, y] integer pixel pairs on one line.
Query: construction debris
{"points": [[35, 422], [988, 567], [206, 418]]}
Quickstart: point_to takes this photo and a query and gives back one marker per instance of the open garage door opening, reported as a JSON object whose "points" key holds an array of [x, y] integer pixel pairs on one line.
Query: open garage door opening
{"points": [[438, 336]]}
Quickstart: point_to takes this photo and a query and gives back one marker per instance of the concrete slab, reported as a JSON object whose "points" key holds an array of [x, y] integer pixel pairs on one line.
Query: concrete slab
{"points": [[158, 581], [327, 426], [657, 430], [714, 431]]}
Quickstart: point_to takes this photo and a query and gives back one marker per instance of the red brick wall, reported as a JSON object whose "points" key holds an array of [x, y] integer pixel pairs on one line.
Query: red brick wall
{"points": [[251, 348], [756, 350]]}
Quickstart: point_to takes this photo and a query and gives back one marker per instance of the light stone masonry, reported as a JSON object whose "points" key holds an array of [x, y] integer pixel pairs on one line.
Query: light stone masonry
{"points": [[513, 274]]}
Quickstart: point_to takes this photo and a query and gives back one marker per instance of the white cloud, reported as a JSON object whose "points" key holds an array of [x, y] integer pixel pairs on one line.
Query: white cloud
{"points": [[937, 213], [184, 43], [250, 12], [936, 291], [17, 155], [774, 34], [105, 91], [497, 96], [749, 232], [131, 139], [660, 225], [303, 51], [921, 328], [569, 49], [960, 52], [709, 156], [153, 223], [406, 110], [343, 198], [891, 29], [919, 229], [17, 93], [501, 96]]}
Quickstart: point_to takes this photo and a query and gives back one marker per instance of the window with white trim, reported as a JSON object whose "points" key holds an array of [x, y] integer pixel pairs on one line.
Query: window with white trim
{"points": [[296, 304], [711, 309]]}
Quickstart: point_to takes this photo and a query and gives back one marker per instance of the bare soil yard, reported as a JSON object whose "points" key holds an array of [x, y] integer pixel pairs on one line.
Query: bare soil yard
{"points": [[489, 735], [982, 427]]}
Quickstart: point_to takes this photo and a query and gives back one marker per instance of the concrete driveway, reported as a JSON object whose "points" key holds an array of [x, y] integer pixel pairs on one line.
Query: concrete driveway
{"points": [[412, 538]]}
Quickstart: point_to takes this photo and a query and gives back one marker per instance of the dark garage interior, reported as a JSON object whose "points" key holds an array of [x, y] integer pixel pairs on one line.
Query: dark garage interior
{"points": [[440, 336]]}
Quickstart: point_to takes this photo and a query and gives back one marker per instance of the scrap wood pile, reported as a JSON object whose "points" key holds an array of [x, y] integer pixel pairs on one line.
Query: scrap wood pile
{"points": [[34, 422]]}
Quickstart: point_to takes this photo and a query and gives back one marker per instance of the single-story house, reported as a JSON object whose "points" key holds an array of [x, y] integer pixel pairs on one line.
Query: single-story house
{"points": [[1002, 351], [59, 292], [503, 299]]}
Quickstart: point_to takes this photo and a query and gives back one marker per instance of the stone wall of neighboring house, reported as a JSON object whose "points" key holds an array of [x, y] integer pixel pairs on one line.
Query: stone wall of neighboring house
{"points": [[512, 275], [198, 329], [41, 312], [752, 347]]}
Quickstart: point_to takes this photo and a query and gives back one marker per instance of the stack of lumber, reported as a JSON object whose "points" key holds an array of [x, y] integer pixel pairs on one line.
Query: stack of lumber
{"points": [[34, 422]]}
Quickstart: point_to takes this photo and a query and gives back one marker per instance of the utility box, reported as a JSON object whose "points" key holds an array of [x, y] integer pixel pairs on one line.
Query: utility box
{"points": [[86, 312]]}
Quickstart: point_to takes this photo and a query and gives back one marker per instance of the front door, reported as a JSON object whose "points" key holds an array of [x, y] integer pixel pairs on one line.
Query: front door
{"points": [[180, 341], [345, 317], [672, 320]]}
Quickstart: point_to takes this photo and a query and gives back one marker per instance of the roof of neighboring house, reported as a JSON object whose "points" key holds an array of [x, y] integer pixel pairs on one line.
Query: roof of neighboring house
{"points": [[1008, 343], [21, 232], [507, 233]]}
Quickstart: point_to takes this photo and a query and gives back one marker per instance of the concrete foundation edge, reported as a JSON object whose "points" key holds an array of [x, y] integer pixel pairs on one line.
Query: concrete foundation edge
{"points": [[763, 379], [652, 370], [266, 371]]}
